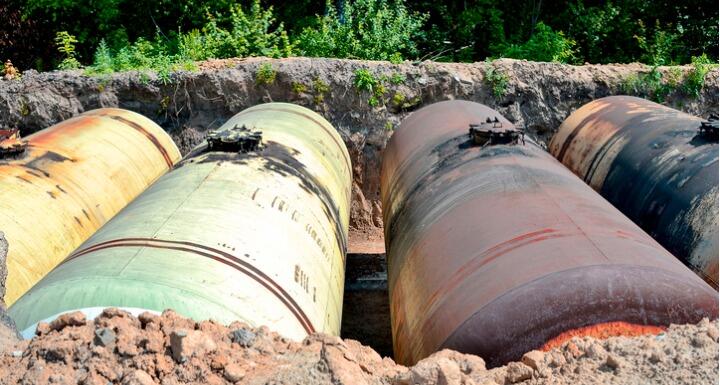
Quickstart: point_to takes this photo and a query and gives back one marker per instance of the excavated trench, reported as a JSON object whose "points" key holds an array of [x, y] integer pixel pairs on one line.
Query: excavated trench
{"points": [[537, 98]]}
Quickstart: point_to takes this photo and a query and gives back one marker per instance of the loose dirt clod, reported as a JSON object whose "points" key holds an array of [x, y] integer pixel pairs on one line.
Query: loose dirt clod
{"points": [[169, 349]]}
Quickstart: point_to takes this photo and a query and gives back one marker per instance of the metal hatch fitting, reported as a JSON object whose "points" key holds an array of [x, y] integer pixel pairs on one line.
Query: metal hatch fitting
{"points": [[237, 139], [493, 132], [709, 128], [10, 143]]}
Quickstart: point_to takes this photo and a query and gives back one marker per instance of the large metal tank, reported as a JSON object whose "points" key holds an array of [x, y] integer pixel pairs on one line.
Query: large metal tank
{"points": [[250, 226], [69, 180], [657, 165], [494, 247]]}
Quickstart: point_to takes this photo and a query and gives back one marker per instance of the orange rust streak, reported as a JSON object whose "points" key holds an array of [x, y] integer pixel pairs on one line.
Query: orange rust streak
{"points": [[602, 331]]}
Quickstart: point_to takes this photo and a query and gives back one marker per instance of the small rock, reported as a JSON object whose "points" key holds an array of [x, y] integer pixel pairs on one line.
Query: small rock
{"points": [[147, 318], [17, 353], [712, 333], [233, 373], [185, 344], [573, 349], [614, 362], [701, 340], [218, 362], [517, 372], [656, 356], [76, 318], [557, 359], [138, 377], [104, 337], [596, 351], [242, 337], [42, 328], [534, 359], [448, 373]]}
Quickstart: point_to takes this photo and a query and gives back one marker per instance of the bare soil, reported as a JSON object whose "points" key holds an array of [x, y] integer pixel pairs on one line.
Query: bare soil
{"points": [[117, 348]]}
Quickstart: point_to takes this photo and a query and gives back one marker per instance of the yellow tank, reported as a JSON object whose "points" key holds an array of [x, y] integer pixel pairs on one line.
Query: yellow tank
{"points": [[69, 181], [251, 226]]}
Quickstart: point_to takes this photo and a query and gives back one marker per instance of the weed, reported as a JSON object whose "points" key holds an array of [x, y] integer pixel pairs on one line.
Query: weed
{"points": [[389, 126], [364, 80], [696, 78], [320, 88], [144, 78], [497, 80], [649, 85], [265, 74], [398, 99], [65, 43], [24, 108], [397, 78], [298, 87]]}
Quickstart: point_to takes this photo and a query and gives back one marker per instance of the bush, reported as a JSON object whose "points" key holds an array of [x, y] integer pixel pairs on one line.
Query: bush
{"points": [[695, 80], [364, 29], [544, 45], [657, 50], [247, 34], [65, 43]]}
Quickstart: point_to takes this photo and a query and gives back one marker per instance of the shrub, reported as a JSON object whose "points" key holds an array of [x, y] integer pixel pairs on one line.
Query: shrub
{"points": [[65, 43], [249, 34], [364, 29], [544, 45], [497, 80], [696, 78], [657, 50], [265, 74]]}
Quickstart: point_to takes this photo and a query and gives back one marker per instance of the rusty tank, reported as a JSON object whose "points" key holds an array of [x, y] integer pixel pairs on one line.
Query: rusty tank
{"points": [[657, 165], [59, 185], [252, 226], [495, 248]]}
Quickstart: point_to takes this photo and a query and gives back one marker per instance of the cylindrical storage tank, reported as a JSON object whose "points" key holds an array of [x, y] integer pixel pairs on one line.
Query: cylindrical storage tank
{"points": [[655, 165], [234, 232], [69, 181], [495, 249]]}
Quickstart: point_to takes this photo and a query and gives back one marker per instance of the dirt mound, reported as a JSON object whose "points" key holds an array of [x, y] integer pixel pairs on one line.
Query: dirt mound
{"points": [[535, 96], [117, 348]]}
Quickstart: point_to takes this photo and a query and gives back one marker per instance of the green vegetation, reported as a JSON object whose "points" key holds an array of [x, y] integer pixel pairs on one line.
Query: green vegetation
{"points": [[364, 29], [696, 78], [496, 80], [544, 45], [298, 88], [658, 86], [365, 81], [164, 36], [66, 46], [320, 88], [265, 74]]}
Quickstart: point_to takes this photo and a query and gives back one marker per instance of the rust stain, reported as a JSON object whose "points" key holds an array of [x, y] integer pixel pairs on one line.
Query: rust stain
{"points": [[603, 331]]}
